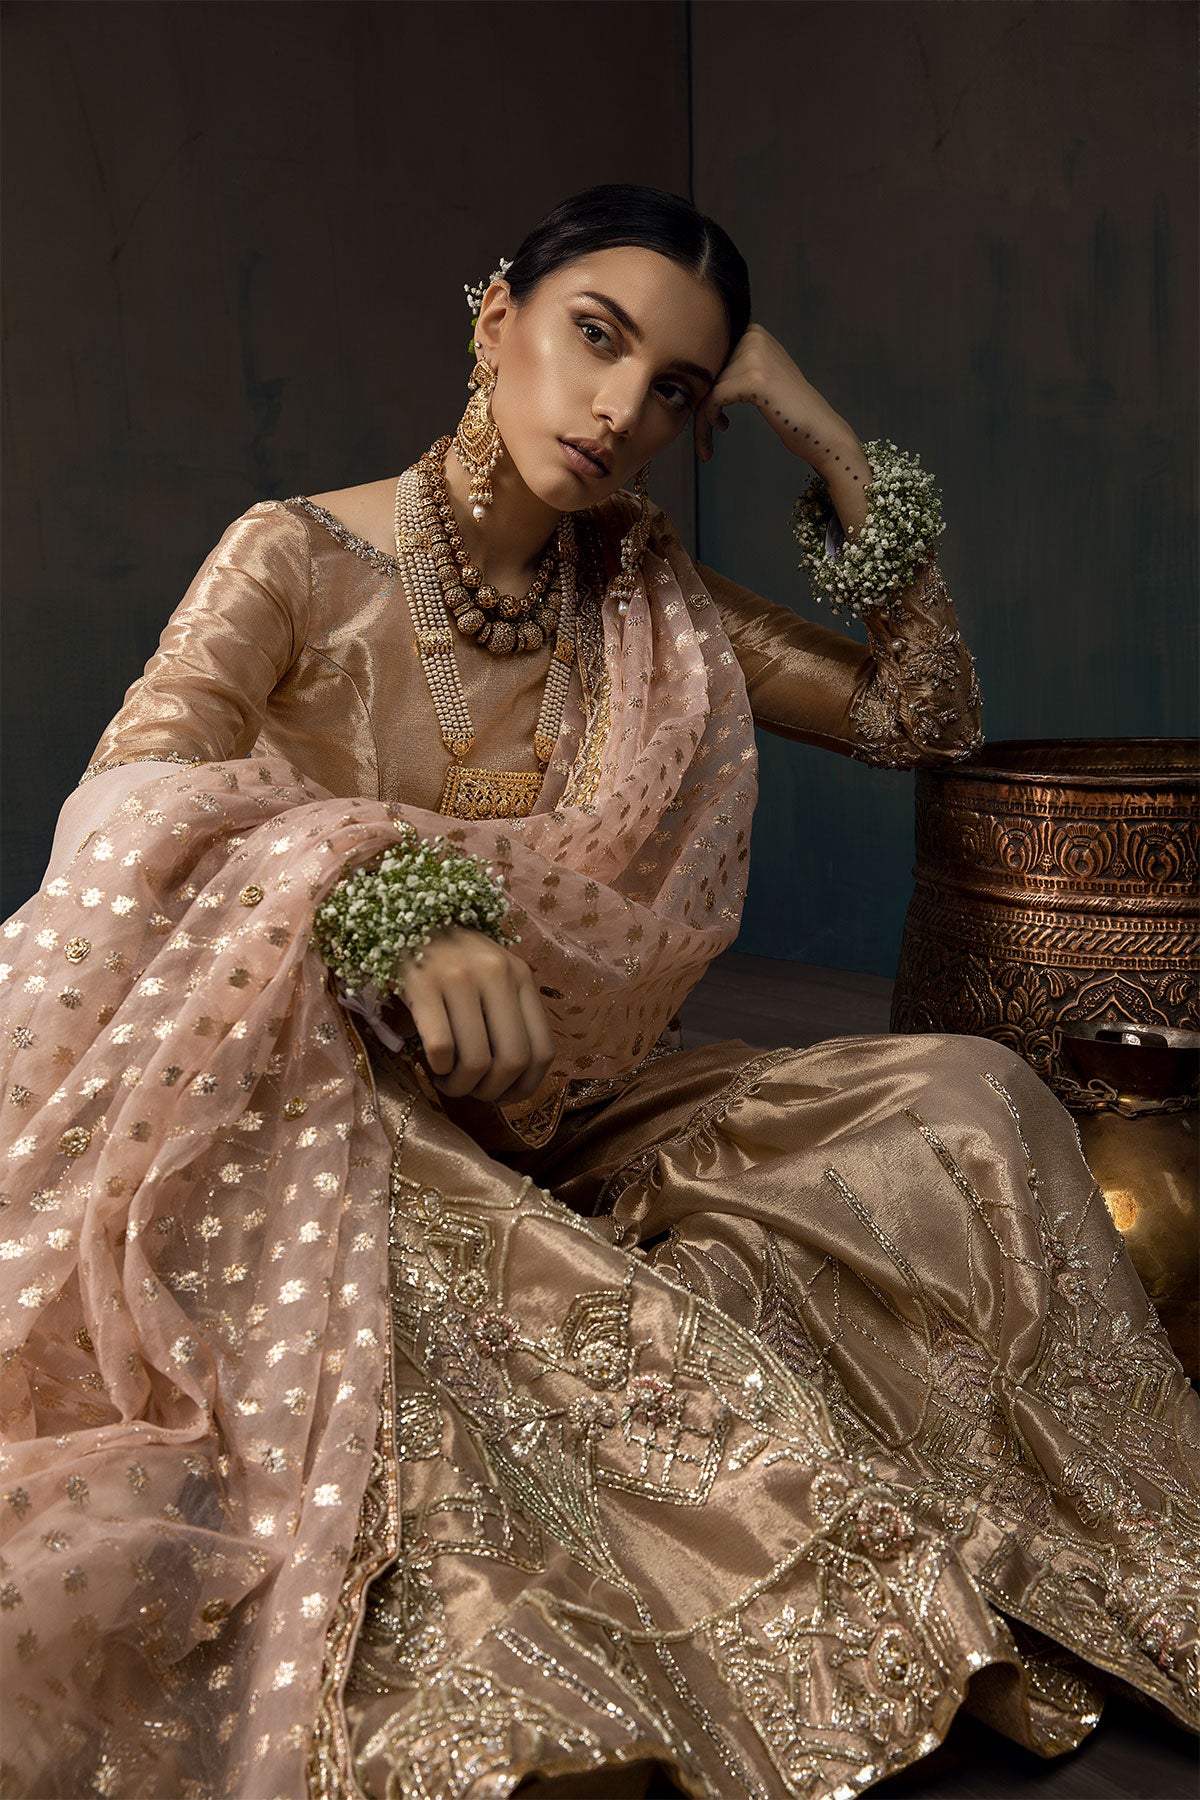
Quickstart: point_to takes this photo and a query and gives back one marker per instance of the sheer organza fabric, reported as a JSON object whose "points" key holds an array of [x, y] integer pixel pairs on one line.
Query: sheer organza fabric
{"points": [[194, 1308]]}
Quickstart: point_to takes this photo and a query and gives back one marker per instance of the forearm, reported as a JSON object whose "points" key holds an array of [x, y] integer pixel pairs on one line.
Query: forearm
{"points": [[918, 704], [86, 807], [908, 698], [838, 458]]}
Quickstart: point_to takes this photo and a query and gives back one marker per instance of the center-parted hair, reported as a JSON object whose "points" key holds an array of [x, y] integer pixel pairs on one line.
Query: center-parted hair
{"points": [[618, 213]]}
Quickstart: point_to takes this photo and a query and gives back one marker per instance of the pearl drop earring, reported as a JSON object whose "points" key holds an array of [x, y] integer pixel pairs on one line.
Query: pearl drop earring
{"points": [[477, 441]]}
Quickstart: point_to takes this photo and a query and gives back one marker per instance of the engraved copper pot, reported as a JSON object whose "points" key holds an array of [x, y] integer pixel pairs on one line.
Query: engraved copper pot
{"points": [[1056, 895]]}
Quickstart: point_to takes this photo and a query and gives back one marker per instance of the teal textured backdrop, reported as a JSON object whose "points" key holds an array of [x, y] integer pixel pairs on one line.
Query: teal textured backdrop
{"points": [[975, 230], [236, 242]]}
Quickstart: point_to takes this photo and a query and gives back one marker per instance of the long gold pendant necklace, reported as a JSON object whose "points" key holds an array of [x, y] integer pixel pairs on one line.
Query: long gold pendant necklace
{"points": [[422, 545]]}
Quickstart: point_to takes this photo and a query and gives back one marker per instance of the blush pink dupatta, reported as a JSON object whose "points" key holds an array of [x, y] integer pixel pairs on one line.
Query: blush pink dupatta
{"points": [[195, 1194]]}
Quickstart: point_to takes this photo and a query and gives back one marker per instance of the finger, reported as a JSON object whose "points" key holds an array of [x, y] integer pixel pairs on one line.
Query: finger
{"points": [[541, 1037], [399, 1017], [472, 1051], [711, 413], [433, 1023], [507, 1035], [541, 1048]]}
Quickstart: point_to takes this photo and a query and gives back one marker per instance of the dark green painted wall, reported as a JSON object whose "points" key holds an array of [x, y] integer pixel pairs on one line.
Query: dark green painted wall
{"points": [[975, 229], [236, 243], [236, 239]]}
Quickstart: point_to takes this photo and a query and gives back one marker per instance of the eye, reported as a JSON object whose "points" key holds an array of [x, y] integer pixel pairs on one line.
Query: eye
{"points": [[684, 400]]}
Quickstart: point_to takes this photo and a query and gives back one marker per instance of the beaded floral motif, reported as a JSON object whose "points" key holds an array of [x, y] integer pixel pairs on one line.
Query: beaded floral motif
{"points": [[349, 540], [922, 703], [1104, 1378], [118, 762], [574, 1414]]}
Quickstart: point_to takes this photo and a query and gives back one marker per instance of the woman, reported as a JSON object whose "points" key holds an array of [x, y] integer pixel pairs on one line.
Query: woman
{"points": [[440, 1383]]}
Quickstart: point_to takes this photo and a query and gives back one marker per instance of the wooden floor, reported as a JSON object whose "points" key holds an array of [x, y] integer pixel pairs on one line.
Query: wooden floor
{"points": [[1133, 1754], [769, 1003]]}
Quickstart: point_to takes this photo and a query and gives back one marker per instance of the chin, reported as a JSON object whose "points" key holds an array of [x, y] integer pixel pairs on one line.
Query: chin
{"points": [[554, 484]]}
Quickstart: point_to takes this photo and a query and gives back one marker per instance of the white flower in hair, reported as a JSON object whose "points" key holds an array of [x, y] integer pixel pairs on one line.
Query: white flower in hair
{"points": [[475, 294]]}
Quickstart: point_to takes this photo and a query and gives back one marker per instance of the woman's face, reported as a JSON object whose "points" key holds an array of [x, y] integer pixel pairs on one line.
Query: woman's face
{"points": [[617, 347]]}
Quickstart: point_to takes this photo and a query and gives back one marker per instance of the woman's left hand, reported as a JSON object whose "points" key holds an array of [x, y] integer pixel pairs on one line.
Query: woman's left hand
{"points": [[761, 373]]}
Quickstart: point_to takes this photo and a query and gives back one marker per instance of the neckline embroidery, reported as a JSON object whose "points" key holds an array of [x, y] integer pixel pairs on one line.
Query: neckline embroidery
{"points": [[349, 540], [592, 559]]}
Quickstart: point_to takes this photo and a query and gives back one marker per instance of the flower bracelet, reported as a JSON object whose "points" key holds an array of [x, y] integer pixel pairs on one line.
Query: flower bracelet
{"points": [[903, 524], [385, 912]]}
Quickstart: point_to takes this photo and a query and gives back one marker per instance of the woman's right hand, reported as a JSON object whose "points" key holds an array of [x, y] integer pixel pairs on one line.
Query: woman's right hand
{"points": [[480, 1017]]}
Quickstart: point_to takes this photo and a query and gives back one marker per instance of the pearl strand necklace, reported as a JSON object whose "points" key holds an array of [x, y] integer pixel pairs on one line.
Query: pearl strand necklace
{"points": [[418, 541]]}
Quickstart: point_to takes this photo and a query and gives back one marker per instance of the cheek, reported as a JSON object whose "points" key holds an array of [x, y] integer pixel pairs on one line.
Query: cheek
{"points": [[546, 364], [670, 426], [542, 376]]}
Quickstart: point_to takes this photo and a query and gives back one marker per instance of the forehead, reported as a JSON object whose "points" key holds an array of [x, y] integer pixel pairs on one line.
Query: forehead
{"points": [[677, 312]]}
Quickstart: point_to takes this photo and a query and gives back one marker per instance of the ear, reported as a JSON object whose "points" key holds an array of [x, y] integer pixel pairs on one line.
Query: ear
{"points": [[497, 308]]}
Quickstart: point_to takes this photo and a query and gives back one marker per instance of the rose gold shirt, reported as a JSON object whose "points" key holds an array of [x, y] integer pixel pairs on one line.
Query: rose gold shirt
{"points": [[295, 638]]}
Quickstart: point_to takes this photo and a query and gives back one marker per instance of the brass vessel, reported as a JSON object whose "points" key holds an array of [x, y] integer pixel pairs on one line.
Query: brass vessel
{"points": [[1146, 1160], [1055, 909]]}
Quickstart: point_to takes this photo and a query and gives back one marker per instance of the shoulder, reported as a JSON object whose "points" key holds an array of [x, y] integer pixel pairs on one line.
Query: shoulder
{"points": [[368, 511], [724, 588], [266, 522], [268, 544]]}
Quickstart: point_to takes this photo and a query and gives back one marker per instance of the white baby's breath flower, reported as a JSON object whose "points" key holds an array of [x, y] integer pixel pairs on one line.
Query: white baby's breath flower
{"points": [[900, 531], [364, 930]]}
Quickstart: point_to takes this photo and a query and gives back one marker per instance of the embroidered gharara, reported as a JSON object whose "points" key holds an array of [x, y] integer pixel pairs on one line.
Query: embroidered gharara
{"points": [[845, 1396]]}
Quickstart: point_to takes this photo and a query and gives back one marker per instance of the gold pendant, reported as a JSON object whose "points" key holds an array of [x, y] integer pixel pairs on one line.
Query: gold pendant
{"points": [[489, 793]]}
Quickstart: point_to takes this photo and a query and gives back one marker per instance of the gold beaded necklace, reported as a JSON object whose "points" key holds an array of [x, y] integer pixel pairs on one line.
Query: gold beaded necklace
{"points": [[501, 623], [423, 550]]}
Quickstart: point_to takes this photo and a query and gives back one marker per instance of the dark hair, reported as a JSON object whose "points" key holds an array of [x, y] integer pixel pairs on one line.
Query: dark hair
{"points": [[618, 213]]}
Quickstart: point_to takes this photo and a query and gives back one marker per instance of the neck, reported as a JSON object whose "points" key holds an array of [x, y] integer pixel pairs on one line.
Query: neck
{"points": [[508, 544]]}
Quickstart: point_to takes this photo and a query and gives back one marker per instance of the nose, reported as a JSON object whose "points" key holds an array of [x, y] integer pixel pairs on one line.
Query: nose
{"points": [[619, 402]]}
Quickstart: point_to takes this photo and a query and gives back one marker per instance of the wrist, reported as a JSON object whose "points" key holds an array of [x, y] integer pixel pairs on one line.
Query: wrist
{"points": [[834, 451], [381, 916], [901, 524]]}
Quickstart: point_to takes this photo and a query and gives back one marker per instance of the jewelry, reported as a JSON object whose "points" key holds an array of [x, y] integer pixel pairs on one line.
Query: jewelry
{"points": [[477, 440], [633, 545], [385, 912], [502, 623], [469, 792], [900, 531], [475, 296], [634, 542]]}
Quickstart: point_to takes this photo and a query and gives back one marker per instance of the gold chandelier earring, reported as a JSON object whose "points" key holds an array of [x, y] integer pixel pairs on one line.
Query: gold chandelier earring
{"points": [[477, 441], [633, 544]]}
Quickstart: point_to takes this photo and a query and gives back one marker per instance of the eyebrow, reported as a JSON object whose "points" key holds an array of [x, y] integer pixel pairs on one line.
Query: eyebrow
{"points": [[635, 331]]}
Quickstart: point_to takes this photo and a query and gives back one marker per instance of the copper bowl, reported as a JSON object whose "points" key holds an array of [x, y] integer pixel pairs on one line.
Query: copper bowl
{"points": [[1145, 1156]]}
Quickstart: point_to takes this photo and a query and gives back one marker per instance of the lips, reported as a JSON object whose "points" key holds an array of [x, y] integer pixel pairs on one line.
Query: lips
{"points": [[595, 451]]}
